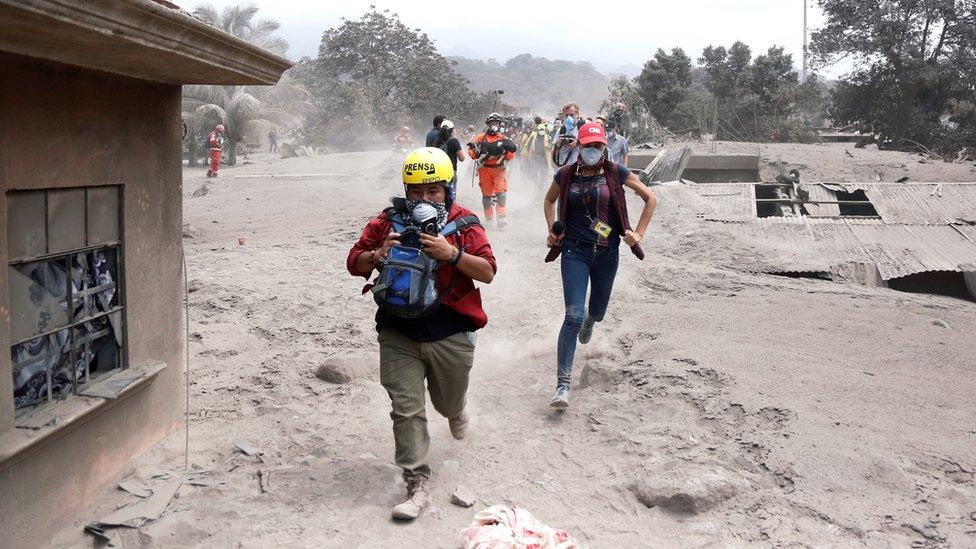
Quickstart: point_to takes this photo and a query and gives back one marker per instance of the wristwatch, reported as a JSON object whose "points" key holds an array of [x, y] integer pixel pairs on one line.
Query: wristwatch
{"points": [[457, 258]]}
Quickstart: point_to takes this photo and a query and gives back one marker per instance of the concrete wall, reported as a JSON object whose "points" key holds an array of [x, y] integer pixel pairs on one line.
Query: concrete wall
{"points": [[63, 127]]}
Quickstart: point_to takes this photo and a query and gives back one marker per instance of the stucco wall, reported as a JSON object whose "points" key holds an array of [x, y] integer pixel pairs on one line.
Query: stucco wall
{"points": [[64, 127]]}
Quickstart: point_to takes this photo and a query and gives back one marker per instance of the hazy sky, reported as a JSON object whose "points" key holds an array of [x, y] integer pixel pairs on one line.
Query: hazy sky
{"points": [[607, 34]]}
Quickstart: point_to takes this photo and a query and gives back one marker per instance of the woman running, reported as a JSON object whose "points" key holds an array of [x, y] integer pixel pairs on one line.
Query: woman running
{"points": [[592, 221]]}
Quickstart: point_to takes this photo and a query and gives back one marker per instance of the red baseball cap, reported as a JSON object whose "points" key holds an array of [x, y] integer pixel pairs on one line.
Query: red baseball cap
{"points": [[591, 132]]}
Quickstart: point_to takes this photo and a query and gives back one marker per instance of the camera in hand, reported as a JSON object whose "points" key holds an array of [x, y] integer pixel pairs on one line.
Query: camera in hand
{"points": [[426, 217]]}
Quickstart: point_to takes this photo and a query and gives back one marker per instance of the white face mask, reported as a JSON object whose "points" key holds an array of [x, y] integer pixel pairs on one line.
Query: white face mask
{"points": [[591, 156], [493, 129]]}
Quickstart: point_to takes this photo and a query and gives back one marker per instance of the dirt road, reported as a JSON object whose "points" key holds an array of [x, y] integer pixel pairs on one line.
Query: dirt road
{"points": [[824, 413]]}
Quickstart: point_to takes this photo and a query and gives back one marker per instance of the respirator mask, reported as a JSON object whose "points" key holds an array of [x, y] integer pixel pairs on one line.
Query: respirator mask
{"points": [[591, 156]]}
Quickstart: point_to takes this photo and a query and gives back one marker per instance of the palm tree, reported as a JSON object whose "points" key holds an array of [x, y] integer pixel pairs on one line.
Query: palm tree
{"points": [[237, 20], [243, 110]]}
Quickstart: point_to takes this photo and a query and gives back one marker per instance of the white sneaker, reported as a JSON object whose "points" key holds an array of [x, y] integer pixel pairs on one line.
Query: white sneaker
{"points": [[560, 400]]}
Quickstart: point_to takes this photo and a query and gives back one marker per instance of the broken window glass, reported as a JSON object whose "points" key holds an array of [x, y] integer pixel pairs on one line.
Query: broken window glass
{"points": [[66, 307]]}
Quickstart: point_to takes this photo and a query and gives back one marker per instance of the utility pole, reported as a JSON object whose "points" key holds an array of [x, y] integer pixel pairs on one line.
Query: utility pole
{"points": [[804, 76]]}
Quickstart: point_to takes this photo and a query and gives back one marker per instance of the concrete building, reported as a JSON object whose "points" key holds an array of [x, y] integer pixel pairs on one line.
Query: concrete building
{"points": [[91, 211]]}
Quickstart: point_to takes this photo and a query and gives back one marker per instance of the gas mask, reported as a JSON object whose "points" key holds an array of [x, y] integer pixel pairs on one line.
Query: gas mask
{"points": [[591, 156]]}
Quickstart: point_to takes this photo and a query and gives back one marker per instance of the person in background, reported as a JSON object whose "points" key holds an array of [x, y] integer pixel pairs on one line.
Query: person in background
{"points": [[564, 150], [272, 141], [468, 132], [593, 210], [432, 133], [449, 144], [403, 141], [601, 121], [492, 150], [619, 115], [216, 142], [618, 146], [535, 152], [436, 348]]}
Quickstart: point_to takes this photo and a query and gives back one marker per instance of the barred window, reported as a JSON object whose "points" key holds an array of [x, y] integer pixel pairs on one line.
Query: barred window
{"points": [[65, 287]]}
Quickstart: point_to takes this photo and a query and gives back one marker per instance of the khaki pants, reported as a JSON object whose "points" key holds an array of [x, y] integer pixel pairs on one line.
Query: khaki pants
{"points": [[404, 365]]}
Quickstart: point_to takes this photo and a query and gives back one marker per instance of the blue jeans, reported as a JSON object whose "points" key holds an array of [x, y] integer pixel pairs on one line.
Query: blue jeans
{"points": [[582, 264]]}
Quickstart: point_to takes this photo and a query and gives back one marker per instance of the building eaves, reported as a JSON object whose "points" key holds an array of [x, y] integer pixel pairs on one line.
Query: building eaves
{"points": [[137, 38]]}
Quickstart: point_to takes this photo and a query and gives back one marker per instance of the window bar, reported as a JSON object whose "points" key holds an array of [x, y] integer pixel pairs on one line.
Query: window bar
{"points": [[55, 330], [88, 300], [71, 325]]}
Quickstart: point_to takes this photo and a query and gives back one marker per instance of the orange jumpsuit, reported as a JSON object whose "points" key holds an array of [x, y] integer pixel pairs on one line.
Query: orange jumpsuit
{"points": [[492, 177], [215, 146]]}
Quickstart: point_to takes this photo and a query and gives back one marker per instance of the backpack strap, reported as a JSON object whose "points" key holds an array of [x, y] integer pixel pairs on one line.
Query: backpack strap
{"points": [[460, 224], [396, 212]]}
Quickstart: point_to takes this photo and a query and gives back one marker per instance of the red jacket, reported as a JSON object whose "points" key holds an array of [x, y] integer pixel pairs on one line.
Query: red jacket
{"points": [[462, 296]]}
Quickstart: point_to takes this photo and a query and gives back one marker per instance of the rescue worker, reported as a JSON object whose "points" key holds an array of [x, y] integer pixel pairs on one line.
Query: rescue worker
{"points": [[492, 150], [437, 347], [403, 141], [535, 151], [216, 142]]}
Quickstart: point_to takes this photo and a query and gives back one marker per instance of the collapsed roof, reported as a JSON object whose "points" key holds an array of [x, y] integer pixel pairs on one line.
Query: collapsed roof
{"points": [[920, 227]]}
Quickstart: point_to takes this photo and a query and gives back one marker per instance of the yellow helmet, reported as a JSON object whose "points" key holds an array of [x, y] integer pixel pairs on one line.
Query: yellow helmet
{"points": [[427, 165]]}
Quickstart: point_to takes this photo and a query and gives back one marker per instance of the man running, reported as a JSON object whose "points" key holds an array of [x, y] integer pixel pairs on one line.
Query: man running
{"points": [[435, 345], [492, 150]]}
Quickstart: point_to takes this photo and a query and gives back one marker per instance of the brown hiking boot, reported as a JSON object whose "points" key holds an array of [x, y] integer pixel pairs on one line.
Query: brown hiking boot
{"points": [[459, 425], [418, 499]]}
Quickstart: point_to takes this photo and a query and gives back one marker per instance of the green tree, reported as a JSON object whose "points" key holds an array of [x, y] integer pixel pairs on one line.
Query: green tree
{"points": [[755, 99], [665, 85], [385, 72], [725, 70], [914, 65]]}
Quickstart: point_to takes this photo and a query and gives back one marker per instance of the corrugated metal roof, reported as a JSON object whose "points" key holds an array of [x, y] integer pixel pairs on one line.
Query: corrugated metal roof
{"points": [[896, 203], [902, 250], [808, 245], [916, 205], [728, 200], [918, 230]]}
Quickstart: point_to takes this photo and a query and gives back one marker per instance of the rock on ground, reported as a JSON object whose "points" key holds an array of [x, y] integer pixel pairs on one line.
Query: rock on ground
{"points": [[689, 488], [342, 369], [596, 374], [204, 190], [463, 497]]}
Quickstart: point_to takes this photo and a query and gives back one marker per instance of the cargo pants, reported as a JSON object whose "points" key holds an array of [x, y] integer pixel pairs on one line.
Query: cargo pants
{"points": [[404, 366]]}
